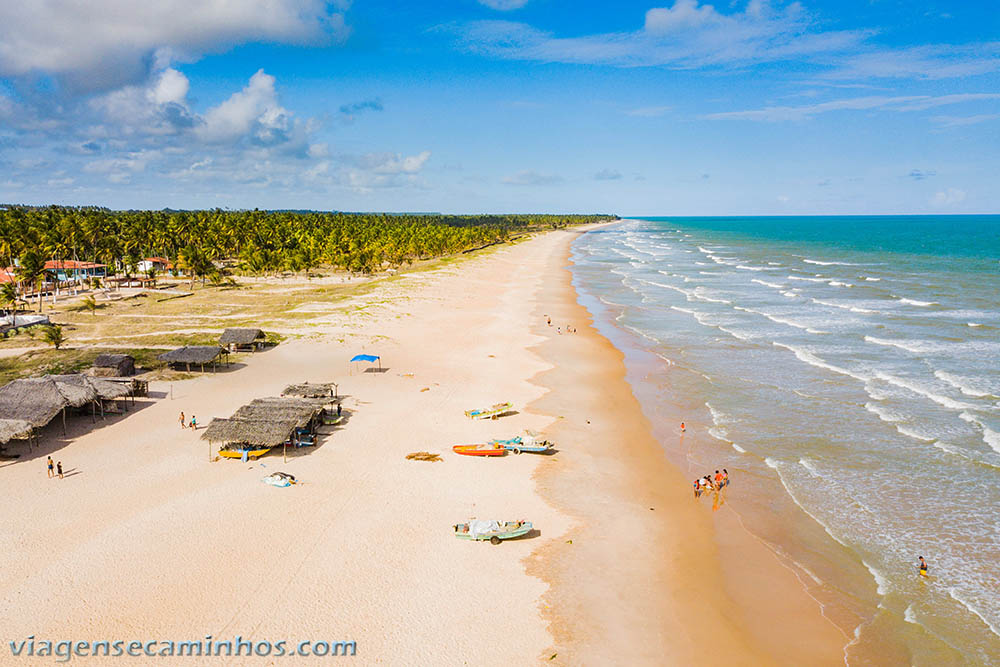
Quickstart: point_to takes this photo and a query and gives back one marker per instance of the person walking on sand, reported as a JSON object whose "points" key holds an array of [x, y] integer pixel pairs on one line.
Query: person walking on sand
{"points": [[548, 321], [683, 428], [194, 423], [725, 477], [718, 480], [183, 423], [50, 466], [59, 469], [922, 566], [339, 409], [697, 489]]}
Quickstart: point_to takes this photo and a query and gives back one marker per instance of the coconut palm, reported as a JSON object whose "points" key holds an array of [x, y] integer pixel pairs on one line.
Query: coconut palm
{"points": [[53, 335]]}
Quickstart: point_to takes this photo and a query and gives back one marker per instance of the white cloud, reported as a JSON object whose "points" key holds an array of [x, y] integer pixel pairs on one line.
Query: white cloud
{"points": [[962, 121], [686, 35], [874, 102], [255, 105], [921, 62], [692, 35], [102, 44], [503, 5], [531, 177], [608, 175], [949, 197], [648, 112]]}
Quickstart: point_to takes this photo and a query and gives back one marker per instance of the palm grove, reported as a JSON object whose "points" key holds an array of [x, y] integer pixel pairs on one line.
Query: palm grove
{"points": [[254, 242]]}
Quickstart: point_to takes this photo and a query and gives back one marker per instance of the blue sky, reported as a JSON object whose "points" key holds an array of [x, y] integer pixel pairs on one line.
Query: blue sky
{"points": [[681, 107]]}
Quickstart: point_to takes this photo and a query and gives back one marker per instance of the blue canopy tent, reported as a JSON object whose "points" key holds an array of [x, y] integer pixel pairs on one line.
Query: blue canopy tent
{"points": [[370, 358]]}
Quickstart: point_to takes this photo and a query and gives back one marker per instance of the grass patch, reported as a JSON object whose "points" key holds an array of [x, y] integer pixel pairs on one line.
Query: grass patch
{"points": [[46, 361]]}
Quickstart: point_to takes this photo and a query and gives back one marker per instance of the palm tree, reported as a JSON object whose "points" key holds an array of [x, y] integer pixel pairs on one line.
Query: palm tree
{"points": [[89, 303], [8, 296], [31, 271], [53, 335]]}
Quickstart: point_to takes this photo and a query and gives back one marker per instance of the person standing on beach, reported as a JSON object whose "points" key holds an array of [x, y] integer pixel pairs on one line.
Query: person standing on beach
{"points": [[338, 409], [49, 464], [59, 469], [922, 566], [697, 489], [194, 423], [725, 477], [548, 321], [183, 423], [718, 480], [683, 428]]}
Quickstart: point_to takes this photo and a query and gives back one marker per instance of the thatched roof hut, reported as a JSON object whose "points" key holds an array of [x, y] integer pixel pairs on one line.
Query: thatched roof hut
{"points": [[308, 390], [301, 412], [39, 400], [194, 354], [114, 365], [236, 338], [257, 432], [104, 389], [15, 429]]}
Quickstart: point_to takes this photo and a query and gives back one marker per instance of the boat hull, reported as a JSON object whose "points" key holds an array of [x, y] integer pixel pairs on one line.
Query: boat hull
{"points": [[238, 454], [479, 450]]}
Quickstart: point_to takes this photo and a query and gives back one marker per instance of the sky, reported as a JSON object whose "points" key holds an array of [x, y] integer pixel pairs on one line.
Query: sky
{"points": [[749, 107]]}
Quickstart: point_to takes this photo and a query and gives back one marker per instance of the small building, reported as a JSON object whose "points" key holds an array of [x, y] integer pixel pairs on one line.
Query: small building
{"points": [[197, 355], [158, 264], [114, 365], [68, 269], [234, 339]]}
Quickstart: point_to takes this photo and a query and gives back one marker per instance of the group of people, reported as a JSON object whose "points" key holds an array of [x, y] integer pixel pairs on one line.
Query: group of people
{"points": [[708, 483], [55, 470], [193, 424], [559, 330]]}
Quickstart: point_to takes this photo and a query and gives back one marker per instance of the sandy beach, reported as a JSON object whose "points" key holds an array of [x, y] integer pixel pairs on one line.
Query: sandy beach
{"points": [[146, 539]]}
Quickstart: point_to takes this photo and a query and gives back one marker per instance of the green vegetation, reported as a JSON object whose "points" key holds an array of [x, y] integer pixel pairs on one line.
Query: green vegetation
{"points": [[255, 242], [53, 335], [42, 361]]}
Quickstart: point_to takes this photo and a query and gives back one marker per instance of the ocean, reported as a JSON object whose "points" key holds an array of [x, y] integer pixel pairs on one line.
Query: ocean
{"points": [[846, 371]]}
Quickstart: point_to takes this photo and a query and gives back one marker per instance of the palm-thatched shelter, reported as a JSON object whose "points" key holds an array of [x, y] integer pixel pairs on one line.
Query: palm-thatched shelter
{"points": [[257, 432], [38, 400], [311, 390], [15, 429], [234, 339], [199, 355], [114, 365], [263, 424]]}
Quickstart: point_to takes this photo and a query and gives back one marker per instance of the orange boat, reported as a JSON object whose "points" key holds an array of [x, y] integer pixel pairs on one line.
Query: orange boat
{"points": [[480, 450]]}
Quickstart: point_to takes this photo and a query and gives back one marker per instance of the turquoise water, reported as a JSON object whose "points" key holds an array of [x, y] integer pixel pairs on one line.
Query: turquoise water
{"points": [[846, 370]]}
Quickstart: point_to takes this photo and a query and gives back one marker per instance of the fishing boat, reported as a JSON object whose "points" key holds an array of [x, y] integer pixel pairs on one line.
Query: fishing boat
{"points": [[494, 531], [491, 412], [244, 454], [480, 450], [526, 443]]}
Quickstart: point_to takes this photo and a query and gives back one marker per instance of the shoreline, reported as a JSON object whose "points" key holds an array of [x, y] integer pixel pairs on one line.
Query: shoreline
{"points": [[361, 549], [716, 586]]}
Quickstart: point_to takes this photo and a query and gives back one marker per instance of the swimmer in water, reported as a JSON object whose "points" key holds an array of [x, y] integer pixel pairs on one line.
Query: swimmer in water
{"points": [[923, 566]]}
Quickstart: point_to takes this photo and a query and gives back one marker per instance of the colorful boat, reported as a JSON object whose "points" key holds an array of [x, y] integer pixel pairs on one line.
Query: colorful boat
{"points": [[494, 531], [480, 450], [526, 443], [491, 412], [244, 454]]}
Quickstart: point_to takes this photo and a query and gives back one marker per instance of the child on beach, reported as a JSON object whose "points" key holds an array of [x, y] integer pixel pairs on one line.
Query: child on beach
{"points": [[59, 469], [49, 464], [697, 489], [725, 477]]}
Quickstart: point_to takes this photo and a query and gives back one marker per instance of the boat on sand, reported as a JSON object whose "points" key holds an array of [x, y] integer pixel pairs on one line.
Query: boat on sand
{"points": [[480, 450], [527, 443], [491, 412], [494, 531]]}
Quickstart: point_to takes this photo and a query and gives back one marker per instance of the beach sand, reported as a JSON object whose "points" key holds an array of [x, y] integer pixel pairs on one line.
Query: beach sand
{"points": [[145, 539]]}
